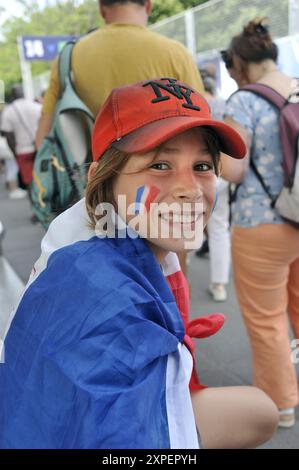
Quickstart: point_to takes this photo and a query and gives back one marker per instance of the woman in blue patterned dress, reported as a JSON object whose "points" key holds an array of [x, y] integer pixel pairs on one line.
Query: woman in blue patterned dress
{"points": [[265, 249]]}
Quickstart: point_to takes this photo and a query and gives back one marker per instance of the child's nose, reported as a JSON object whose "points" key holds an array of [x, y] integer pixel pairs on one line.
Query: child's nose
{"points": [[187, 187]]}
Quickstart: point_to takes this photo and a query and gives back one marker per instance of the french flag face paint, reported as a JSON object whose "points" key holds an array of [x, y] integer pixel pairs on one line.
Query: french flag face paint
{"points": [[145, 195]]}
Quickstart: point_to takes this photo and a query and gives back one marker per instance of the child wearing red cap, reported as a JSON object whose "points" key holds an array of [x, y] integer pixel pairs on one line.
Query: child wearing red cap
{"points": [[98, 352]]}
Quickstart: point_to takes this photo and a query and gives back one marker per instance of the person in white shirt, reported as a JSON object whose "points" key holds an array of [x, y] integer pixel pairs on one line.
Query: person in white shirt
{"points": [[11, 171], [19, 124], [218, 226]]}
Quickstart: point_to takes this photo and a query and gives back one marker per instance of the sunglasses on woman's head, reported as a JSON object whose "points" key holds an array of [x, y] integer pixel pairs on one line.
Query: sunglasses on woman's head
{"points": [[226, 56]]}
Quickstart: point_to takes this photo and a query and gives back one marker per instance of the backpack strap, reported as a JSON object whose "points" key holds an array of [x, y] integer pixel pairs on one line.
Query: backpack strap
{"points": [[64, 65], [277, 100], [266, 92]]}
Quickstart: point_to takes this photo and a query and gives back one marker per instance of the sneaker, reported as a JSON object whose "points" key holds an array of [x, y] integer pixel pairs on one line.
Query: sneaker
{"points": [[17, 193], [286, 418], [218, 292]]}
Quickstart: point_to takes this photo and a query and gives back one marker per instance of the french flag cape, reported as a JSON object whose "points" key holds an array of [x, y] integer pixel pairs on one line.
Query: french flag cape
{"points": [[99, 351]]}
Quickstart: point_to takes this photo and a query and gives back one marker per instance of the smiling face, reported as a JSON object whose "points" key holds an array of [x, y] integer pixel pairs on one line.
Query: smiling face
{"points": [[180, 176]]}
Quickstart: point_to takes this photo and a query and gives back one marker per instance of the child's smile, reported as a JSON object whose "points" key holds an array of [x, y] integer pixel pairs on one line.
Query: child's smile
{"points": [[179, 179]]}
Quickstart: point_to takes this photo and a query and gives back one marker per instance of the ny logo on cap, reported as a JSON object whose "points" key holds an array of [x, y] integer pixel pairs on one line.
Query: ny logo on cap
{"points": [[182, 92]]}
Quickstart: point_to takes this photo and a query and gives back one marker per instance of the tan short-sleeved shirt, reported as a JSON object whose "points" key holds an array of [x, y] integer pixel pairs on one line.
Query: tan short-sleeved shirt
{"points": [[120, 54]]}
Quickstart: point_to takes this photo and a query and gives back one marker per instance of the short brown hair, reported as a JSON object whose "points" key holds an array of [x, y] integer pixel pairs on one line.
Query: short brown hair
{"points": [[100, 185]]}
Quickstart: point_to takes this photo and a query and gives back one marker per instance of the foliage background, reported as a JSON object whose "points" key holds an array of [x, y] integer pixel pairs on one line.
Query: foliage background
{"points": [[214, 26], [62, 18]]}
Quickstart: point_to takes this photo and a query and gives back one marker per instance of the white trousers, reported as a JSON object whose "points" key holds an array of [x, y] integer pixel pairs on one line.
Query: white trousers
{"points": [[219, 237], [11, 170]]}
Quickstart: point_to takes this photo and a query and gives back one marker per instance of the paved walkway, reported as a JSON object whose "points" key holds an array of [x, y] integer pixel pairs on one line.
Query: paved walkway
{"points": [[225, 359], [222, 360]]}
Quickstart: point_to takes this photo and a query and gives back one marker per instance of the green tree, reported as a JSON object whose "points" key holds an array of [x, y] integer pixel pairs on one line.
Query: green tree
{"points": [[191, 3], [165, 8], [62, 18], [71, 17], [214, 25]]}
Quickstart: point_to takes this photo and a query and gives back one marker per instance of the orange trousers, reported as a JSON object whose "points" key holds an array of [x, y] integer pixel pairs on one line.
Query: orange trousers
{"points": [[266, 274]]}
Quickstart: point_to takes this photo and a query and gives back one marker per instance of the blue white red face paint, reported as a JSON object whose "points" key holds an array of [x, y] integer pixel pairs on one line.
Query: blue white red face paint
{"points": [[176, 221], [145, 195]]}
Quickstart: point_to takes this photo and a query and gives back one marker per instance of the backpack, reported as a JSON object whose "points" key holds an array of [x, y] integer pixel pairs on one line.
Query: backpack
{"points": [[61, 163], [287, 202]]}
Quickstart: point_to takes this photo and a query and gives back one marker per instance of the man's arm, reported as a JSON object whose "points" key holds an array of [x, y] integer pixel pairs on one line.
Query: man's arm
{"points": [[44, 127], [11, 141], [51, 97]]}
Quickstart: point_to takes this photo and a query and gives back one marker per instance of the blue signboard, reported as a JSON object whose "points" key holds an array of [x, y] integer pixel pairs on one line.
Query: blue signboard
{"points": [[43, 47]]}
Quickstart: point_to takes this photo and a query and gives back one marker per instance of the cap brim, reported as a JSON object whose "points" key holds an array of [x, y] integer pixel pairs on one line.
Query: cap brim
{"points": [[155, 133]]}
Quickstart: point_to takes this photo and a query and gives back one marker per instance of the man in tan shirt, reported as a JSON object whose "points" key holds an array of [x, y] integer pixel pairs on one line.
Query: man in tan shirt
{"points": [[124, 51]]}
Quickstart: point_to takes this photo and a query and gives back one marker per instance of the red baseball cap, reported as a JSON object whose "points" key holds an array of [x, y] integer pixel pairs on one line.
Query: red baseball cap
{"points": [[139, 117]]}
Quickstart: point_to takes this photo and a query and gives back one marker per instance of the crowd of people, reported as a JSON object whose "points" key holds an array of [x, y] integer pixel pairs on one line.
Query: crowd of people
{"points": [[108, 361]]}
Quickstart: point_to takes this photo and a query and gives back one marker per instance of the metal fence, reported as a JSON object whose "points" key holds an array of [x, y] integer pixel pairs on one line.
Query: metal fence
{"points": [[211, 26]]}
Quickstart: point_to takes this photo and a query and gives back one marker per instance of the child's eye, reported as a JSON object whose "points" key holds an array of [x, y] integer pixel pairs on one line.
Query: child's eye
{"points": [[204, 167], [160, 166]]}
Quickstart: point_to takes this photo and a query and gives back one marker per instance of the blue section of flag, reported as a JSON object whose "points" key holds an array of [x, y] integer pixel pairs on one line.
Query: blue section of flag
{"points": [[87, 351]]}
